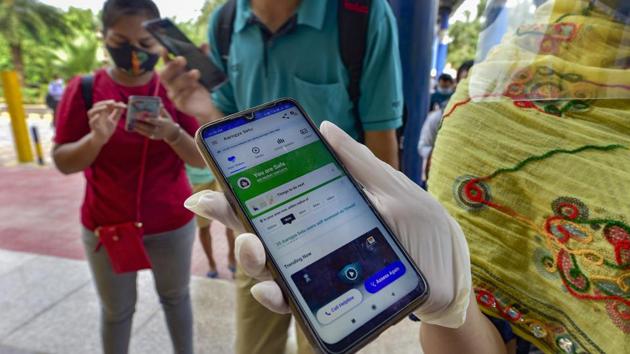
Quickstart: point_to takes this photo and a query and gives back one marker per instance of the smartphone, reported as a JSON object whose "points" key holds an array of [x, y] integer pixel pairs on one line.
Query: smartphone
{"points": [[176, 42], [345, 275], [142, 108]]}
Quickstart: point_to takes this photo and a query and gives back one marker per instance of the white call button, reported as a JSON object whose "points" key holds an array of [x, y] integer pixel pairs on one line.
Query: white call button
{"points": [[339, 306]]}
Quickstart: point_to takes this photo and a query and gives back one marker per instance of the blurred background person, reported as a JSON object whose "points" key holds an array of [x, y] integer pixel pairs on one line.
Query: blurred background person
{"points": [[443, 91], [123, 167], [55, 92]]}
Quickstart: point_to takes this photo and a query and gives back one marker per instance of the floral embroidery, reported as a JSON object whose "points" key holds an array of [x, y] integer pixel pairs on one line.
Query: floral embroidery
{"points": [[543, 89], [589, 274], [547, 39], [554, 334], [619, 313]]}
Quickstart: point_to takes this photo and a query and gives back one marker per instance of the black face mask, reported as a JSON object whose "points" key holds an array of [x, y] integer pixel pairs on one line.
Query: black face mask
{"points": [[135, 61]]}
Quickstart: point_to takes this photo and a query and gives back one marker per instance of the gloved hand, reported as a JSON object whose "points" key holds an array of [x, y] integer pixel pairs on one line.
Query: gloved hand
{"points": [[430, 235]]}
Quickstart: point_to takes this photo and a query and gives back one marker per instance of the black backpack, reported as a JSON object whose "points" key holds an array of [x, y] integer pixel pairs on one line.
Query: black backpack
{"points": [[353, 20]]}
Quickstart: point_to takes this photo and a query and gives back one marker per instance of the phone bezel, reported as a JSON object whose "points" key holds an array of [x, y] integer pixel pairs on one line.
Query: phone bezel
{"points": [[152, 26], [363, 334]]}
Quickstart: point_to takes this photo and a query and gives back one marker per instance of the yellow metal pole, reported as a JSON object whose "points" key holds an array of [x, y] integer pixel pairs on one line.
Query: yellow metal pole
{"points": [[13, 97]]}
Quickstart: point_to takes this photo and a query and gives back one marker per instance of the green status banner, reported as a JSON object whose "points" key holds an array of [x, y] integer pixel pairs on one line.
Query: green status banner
{"points": [[280, 170]]}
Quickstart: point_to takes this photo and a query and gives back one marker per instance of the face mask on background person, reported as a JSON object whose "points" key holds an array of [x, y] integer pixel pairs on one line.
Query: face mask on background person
{"points": [[444, 90], [133, 60]]}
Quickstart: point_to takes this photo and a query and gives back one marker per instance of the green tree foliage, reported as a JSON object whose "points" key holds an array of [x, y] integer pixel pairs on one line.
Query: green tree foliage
{"points": [[21, 20], [40, 41], [465, 35], [77, 54], [197, 30]]}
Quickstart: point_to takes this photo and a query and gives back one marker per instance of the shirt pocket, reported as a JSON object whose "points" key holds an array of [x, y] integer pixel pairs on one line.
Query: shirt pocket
{"points": [[323, 101]]}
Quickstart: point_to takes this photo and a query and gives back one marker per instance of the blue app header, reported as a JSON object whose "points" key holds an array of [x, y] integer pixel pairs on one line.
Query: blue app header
{"points": [[238, 122]]}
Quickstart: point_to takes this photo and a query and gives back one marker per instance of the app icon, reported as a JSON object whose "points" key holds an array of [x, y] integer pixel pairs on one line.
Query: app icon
{"points": [[303, 131], [255, 150], [370, 243], [350, 273], [244, 182], [280, 141], [231, 158]]}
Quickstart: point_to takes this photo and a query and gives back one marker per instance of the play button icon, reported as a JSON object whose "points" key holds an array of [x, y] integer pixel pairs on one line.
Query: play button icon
{"points": [[350, 273]]}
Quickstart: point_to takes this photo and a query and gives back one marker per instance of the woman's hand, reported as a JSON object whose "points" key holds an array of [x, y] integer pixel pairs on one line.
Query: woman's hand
{"points": [[103, 119], [433, 239], [160, 128]]}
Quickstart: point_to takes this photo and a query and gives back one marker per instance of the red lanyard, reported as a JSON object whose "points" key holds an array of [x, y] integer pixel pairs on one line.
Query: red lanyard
{"points": [[143, 160]]}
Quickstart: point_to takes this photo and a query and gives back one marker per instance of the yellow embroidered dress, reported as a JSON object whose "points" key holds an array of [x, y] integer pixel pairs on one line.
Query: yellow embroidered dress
{"points": [[535, 165]]}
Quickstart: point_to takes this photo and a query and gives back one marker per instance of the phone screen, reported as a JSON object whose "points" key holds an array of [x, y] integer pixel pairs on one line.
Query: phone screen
{"points": [[338, 259], [177, 43], [141, 107]]}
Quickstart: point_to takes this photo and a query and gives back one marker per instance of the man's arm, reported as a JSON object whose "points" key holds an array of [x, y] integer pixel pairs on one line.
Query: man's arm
{"points": [[384, 145], [476, 335], [380, 103]]}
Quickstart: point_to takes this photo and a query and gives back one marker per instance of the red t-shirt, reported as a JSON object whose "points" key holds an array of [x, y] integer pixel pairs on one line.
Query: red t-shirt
{"points": [[112, 179]]}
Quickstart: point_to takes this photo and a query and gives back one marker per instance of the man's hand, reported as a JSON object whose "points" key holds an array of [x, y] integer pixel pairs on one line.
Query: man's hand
{"points": [[184, 89], [432, 238]]}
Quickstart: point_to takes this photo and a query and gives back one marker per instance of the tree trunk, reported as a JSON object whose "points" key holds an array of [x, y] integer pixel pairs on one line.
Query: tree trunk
{"points": [[18, 63]]}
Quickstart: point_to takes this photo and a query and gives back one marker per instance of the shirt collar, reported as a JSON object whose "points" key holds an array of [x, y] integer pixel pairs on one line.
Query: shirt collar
{"points": [[311, 13], [243, 13]]}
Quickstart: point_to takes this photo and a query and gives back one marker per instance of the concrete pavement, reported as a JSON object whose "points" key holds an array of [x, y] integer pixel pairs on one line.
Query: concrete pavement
{"points": [[49, 305]]}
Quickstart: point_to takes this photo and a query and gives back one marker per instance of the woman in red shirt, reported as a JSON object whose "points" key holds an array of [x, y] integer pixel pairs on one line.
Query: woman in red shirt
{"points": [[95, 141]]}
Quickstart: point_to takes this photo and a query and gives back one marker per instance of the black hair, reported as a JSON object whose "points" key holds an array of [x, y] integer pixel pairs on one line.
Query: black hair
{"points": [[464, 67], [446, 77], [113, 10]]}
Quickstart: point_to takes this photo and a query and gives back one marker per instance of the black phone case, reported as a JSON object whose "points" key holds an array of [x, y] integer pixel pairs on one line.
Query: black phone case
{"points": [[210, 80]]}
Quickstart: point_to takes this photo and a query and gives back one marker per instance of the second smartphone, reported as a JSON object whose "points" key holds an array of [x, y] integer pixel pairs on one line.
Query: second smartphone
{"points": [[176, 42]]}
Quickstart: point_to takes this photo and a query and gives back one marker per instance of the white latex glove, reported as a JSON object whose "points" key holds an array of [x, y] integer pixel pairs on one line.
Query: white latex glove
{"points": [[432, 237]]}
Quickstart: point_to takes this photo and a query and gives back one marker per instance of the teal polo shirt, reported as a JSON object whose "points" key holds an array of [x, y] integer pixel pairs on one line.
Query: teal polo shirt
{"points": [[303, 61]]}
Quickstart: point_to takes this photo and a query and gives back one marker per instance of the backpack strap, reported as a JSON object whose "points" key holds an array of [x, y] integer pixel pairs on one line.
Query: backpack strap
{"points": [[87, 86], [353, 19], [224, 29]]}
